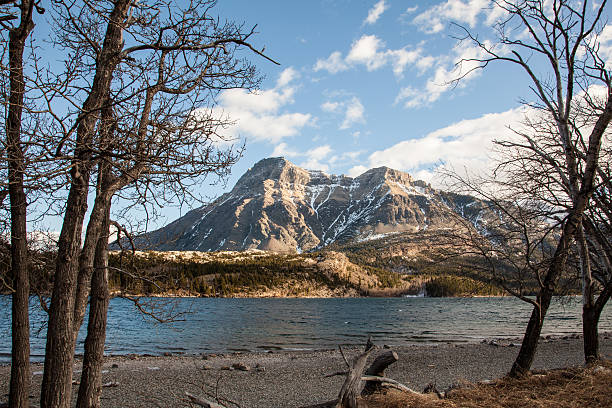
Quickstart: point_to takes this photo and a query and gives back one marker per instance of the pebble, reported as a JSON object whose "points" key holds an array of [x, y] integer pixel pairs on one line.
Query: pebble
{"points": [[241, 367]]}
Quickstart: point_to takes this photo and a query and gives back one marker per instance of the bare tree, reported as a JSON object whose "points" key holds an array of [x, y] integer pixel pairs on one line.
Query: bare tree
{"points": [[147, 125], [559, 35], [14, 152]]}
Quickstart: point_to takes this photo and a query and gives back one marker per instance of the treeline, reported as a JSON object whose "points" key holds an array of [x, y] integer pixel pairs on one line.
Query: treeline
{"points": [[152, 274], [454, 286], [453, 271]]}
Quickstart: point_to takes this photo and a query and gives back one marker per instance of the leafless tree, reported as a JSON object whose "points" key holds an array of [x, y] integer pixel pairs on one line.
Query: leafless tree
{"points": [[148, 78], [560, 35], [16, 19]]}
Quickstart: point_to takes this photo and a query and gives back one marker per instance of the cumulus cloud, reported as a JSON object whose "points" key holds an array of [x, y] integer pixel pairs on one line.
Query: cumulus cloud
{"points": [[333, 64], [261, 115], [375, 12], [365, 50], [459, 64], [354, 113], [604, 45], [316, 158], [331, 106], [286, 77], [357, 170], [352, 110], [434, 19], [371, 52], [465, 144]]}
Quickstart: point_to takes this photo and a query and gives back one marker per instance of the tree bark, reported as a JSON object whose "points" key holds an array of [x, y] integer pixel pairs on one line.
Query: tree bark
{"points": [[59, 354], [590, 324], [90, 389], [351, 389], [377, 368], [590, 334], [20, 322]]}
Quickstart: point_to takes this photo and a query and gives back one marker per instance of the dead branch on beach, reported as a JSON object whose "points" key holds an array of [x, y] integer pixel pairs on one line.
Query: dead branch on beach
{"points": [[202, 402], [215, 401], [358, 383]]}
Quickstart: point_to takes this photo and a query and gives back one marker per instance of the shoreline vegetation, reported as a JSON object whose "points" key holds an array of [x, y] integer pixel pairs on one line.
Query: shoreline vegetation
{"points": [[297, 378], [259, 274]]}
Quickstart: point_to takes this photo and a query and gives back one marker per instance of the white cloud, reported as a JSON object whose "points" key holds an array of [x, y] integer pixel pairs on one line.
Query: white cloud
{"points": [[466, 144], [460, 64], [370, 51], [411, 10], [357, 170], [333, 64], [330, 106], [286, 77], [282, 149], [317, 158], [434, 19], [605, 45], [314, 159], [365, 51], [354, 113], [259, 115], [375, 12]]}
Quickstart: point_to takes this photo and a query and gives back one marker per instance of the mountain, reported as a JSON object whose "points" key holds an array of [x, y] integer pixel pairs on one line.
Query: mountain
{"points": [[281, 207]]}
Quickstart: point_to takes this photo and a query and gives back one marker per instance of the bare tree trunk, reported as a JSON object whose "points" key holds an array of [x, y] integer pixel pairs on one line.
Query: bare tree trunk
{"points": [[20, 324], [590, 324], [524, 359], [590, 333], [90, 389], [59, 354], [95, 229]]}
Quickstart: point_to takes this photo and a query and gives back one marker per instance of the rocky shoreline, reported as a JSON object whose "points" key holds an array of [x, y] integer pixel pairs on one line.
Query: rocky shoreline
{"points": [[296, 378]]}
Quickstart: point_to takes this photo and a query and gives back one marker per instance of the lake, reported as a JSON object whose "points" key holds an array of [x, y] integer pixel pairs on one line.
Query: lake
{"points": [[225, 325]]}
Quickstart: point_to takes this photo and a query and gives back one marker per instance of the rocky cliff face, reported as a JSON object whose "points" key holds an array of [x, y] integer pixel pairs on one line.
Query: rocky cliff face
{"points": [[278, 206]]}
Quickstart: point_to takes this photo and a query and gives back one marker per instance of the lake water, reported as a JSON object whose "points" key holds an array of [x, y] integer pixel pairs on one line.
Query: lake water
{"points": [[222, 325]]}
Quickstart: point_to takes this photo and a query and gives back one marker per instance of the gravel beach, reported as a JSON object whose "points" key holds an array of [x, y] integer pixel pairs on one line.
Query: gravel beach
{"points": [[295, 378]]}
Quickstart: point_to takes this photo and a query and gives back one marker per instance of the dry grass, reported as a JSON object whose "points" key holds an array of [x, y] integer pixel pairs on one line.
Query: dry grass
{"points": [[573, 387]]}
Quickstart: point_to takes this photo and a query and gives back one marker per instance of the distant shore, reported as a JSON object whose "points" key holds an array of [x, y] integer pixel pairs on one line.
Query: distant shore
{"points": [[295, 378]]}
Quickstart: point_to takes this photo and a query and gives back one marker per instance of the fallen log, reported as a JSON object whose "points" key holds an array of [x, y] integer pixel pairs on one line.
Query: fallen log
{"points": [[353, 387]]}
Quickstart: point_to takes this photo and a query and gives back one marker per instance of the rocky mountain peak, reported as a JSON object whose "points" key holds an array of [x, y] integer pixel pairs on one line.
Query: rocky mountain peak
{"points": [[279, 206], [276, 169]]}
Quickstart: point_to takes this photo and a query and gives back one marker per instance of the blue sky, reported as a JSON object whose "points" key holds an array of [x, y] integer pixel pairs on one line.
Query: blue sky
{"points": [[365, 83]]}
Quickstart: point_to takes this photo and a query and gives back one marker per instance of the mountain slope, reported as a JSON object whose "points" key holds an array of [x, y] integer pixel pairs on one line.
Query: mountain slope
{"points": [[281, 207]]}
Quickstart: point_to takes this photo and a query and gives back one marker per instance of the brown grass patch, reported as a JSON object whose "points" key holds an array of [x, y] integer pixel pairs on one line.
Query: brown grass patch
{"points": [[563, 388]]}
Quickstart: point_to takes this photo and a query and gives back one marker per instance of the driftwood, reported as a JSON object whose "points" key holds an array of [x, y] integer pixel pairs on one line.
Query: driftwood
{"points": [[202, 402], [353, 386], [351, 389], [377, 369]]}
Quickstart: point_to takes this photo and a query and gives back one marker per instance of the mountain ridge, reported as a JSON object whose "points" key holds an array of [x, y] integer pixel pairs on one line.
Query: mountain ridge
{"points": [[278, 206]]}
